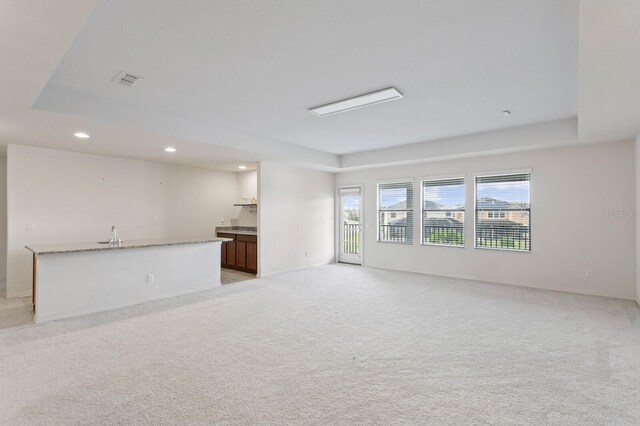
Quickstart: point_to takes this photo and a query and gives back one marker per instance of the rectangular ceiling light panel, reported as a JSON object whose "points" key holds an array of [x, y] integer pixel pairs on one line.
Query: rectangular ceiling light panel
{"points": [[377, 97]]}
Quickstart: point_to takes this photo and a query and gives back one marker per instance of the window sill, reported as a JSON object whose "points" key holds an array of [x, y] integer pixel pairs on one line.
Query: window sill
{"points": [[396, 242], [503, 249], [441, 245]]}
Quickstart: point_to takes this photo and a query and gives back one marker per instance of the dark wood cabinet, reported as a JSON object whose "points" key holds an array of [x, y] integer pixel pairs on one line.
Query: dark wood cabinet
{"points": [[231, 253], [241, 253], [252, 256]]}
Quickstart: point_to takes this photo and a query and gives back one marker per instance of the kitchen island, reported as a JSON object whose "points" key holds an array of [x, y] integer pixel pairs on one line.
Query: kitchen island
{"points": [[81, 278]]}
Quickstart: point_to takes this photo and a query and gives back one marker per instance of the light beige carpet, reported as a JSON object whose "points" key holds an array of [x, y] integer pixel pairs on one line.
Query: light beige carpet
{"points": [[333, 345], [15, 312]]}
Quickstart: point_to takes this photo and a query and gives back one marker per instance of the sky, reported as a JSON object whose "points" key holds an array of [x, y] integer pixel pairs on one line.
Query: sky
{"points": [[350, 201], [451, 196], [512, 192], [389, 197]]}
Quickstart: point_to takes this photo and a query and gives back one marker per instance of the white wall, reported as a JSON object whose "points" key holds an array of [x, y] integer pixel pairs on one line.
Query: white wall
{"points": [[247, 188], [296, 218], [3, 224], [637, 211], [570, 190], [77, 197]]}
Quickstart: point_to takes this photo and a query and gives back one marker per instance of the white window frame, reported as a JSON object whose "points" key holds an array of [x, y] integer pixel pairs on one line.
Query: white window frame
{"points": [[464, 225], [409, 181], [475, 200]]}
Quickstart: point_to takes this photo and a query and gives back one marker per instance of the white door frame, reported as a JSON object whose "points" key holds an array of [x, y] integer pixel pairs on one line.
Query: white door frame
{"points": [[339, 228]]}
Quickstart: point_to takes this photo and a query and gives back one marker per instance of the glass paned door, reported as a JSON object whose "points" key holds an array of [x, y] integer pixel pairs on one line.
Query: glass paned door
{"points": [[350, 243]]}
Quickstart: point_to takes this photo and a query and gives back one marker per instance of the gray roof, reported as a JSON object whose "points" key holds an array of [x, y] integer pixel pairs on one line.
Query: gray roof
{"points": [[442, 222], [504, 223], [402, 205], [491, 203], [488, 203]]}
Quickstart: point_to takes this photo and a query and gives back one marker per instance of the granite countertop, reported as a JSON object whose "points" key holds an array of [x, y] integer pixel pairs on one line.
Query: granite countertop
{"points": [[239, 230], [127, 244]]}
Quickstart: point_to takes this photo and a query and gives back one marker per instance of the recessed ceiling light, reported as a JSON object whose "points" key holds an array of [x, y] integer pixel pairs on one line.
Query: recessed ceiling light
{"points": [[170, 149], [373, 98], [242, 167], [81, 135], [506, 113]]}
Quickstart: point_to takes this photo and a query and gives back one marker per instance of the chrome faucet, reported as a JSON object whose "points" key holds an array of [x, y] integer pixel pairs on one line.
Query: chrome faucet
{"points": [[115, 239]]}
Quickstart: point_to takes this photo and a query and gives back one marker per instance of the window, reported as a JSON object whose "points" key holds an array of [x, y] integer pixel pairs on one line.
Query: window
{"points": [[395, 212], [443, 212], [502, 212]]}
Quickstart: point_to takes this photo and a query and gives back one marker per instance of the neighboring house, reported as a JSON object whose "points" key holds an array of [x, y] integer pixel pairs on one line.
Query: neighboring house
{"points": [[447, 214], [492, 209], [396, 229], [496, 218], [393, 222], [446, 222], [499, 219], [439, 227], [498, 228], [435, 212], [388, 215]]}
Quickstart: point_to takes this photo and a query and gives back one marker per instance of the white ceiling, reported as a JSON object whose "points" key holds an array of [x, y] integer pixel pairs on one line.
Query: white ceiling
{"points": [[229, 82], [253, 68], [609, 70], [34, 36]]}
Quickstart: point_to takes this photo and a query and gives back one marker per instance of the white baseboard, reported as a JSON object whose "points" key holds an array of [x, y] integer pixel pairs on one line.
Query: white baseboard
{"points": [[570, 290], [14, 294], [283, 271]]}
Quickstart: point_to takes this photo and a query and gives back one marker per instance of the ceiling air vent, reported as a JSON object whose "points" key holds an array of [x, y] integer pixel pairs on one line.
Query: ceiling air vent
{"points": [[126, 79]]}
